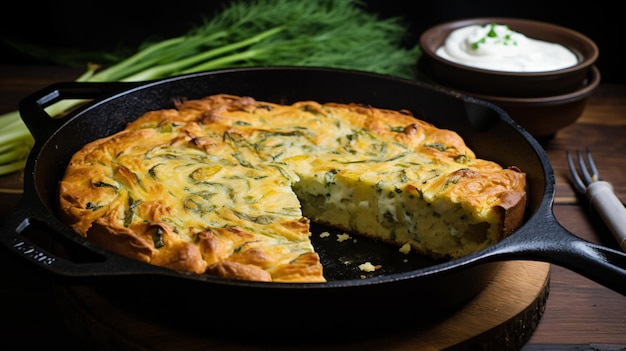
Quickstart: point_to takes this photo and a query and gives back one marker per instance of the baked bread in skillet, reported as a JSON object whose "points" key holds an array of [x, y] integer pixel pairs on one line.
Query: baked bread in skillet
{"points": [[226, 185]]}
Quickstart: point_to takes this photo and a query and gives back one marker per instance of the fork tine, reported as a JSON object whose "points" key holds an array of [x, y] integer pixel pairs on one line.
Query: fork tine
{"points": [[580, 186], [583, 168], [595, 175]]}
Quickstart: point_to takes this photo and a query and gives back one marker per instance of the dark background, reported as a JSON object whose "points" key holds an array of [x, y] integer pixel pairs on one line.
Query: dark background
{"points": [[113, 24]]}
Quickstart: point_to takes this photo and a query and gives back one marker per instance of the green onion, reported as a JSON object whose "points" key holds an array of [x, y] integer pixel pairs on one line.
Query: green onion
{"points": [[492, 31], [506, 40], [330, 33]]}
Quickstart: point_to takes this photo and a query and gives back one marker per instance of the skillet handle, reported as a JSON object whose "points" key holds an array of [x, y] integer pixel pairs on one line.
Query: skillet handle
{"points": [[557, 245], [37, 239], [41, 124]]}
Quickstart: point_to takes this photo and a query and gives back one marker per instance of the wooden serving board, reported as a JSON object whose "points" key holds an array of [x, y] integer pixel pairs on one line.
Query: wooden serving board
{"points": [[502, 317]]}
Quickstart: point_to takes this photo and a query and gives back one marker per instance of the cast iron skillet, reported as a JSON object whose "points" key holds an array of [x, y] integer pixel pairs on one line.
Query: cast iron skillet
{"points": [[406, 290]]}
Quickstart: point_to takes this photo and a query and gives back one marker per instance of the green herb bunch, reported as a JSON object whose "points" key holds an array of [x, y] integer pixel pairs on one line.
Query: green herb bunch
{"points": [[324, 33]]}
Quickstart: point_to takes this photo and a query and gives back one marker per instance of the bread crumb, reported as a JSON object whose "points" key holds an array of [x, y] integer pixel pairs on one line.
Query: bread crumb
{"points": [[405, 249], [324, 235], [343, 237], [368, 267]]}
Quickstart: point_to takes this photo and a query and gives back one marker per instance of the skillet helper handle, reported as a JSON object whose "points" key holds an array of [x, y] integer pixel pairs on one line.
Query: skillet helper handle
{"points": [[41, 124], [32, 238], [610, 209]]}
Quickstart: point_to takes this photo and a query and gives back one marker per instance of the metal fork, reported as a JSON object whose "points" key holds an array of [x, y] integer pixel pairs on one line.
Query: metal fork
{"points": [[600, 194]]}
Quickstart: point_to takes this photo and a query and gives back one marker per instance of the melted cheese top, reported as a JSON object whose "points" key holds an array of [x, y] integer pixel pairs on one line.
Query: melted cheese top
{"points": [[210, 187]]}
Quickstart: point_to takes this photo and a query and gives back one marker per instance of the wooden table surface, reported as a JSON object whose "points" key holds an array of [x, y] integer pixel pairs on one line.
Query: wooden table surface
{"points": [[580, 314]]}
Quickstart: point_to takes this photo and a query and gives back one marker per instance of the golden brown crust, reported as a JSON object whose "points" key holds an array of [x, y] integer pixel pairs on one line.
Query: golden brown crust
{"points": [[207, 187]]}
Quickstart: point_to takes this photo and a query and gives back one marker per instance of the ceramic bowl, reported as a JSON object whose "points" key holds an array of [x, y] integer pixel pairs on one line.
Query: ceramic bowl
{"points": [[509, 84], [544, 116]]}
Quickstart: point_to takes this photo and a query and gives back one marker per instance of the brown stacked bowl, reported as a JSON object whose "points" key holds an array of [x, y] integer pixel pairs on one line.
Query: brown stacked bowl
{"points": [[542, 100]]}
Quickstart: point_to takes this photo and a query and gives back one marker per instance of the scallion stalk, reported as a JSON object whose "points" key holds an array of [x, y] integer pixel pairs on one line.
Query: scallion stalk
{"points": [[331, 33]]}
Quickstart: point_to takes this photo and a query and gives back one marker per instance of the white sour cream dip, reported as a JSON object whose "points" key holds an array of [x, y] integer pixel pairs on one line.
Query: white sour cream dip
{"points": [[496, 47]]}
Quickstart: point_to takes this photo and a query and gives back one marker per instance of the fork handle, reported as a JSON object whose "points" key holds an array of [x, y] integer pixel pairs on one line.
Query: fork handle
{"points": [[610, 209]]}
